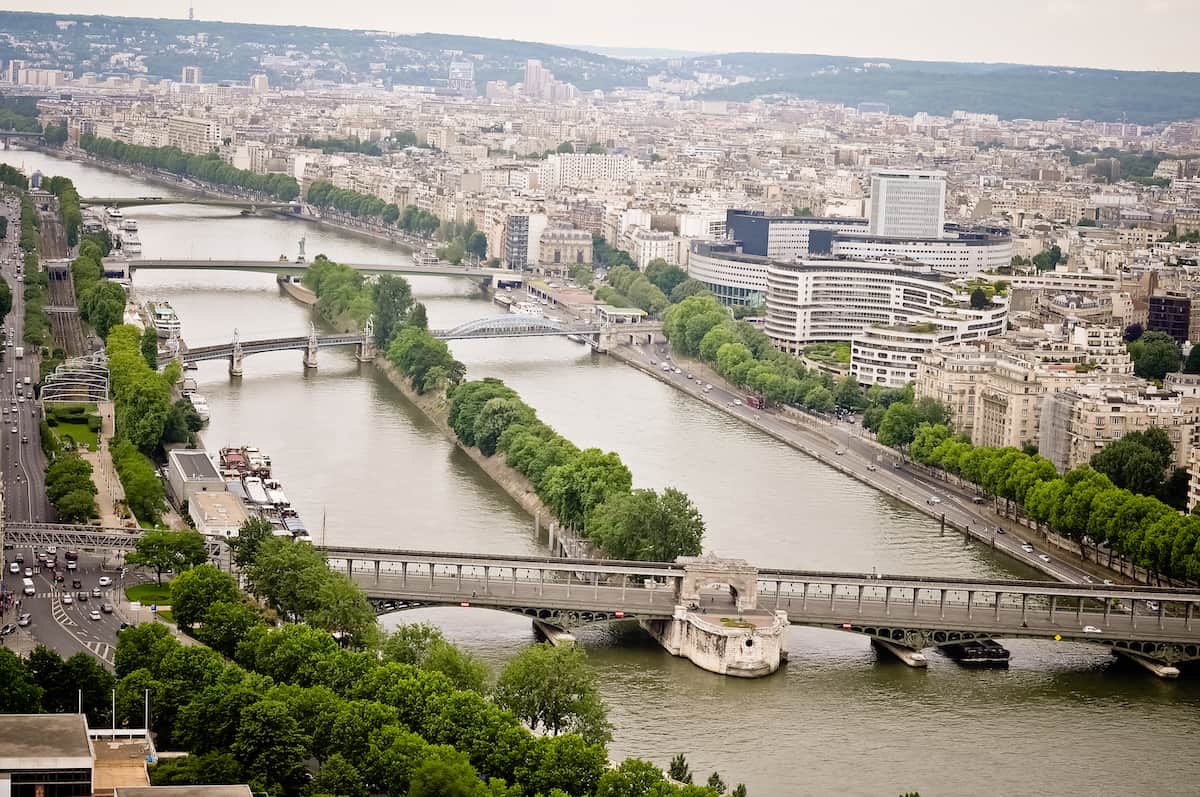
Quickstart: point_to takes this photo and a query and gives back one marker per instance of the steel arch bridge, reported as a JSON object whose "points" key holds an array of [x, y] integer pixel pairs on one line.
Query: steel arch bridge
{"points": [[512, 325]]}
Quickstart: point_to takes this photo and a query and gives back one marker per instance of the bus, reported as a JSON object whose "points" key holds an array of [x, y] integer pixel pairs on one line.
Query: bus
{"points": [[757, 402]]}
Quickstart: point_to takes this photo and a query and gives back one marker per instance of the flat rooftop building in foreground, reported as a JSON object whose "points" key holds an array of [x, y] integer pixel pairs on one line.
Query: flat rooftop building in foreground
{"points": [[45, 754], [183, 791]]}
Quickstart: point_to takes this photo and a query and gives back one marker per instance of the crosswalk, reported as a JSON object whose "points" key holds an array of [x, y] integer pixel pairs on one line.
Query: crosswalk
{"points": [[101, 650]]}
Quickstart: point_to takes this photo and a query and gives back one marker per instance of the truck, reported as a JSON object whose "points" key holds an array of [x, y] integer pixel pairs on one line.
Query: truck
{"points": [[19, 352], [28, 381]]}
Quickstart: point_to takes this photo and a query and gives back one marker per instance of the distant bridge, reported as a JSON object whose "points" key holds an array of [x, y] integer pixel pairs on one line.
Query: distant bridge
{"points": [[14, 135], [123, 266], [138, 201], [66, 535], [904, 613], [513, 325]]}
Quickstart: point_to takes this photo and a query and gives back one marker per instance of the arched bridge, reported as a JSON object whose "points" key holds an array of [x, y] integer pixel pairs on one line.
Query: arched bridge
{"points": [[1154, 626], [139, 201], [237, 349], [514, 325]]}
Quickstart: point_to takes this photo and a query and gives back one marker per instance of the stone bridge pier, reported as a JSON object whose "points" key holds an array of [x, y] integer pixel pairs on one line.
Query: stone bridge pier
{"points": [[235, 357], [310, 353], [726, 635]]}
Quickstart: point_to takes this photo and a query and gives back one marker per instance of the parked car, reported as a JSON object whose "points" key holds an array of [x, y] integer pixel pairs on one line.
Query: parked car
{"points": [[8, 629], [25, 619]]}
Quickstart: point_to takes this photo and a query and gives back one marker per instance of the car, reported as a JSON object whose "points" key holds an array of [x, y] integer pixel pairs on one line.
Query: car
{"points": [[14, 430], [1152, 605], [52, 550], [13, 567], [76, 584], [896, 466], [1000, 530], [708, 387], [59, 577], [107, 608], [933, 500], [9, 628], [840, 451], [654, 362], [81, 596], [1088, 580], [71, 555], [94, 614], [25, 619], [1091, 629], [67, 599], [123, 626], [1027, 548], [24, 438], [1108, 582], [29, 572], [96, 592], [1043, 557], [872, 466], [689, 376], [979, 499], [104, 581], [72, 564], [737, 402]]}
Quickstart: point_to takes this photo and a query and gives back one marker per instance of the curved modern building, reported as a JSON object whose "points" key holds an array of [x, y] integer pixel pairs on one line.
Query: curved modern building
{"points": [[892, 314], [960, 252]]}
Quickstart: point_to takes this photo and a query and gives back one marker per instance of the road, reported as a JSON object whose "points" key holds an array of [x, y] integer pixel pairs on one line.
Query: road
{"points": [[847, 445], [67, 628], [24, 462]]}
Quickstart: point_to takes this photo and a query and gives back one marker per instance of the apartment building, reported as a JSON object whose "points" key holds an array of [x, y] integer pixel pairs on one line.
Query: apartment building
{"points": [[193, 136], [562, 249]]}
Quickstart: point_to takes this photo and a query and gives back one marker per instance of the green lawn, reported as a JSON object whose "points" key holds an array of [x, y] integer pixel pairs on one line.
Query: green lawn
{"points": [[166, 615], [149, 593], [79, 432]]}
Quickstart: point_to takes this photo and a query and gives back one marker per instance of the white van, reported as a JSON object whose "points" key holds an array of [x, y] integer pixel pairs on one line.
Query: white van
{"points": [[29, 588]]}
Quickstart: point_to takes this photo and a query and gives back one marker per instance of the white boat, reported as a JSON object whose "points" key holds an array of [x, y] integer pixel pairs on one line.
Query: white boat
{"points": [[201, 406], [166, 323], [128, 233], [255, 493], [114, 214], [129, 225]]}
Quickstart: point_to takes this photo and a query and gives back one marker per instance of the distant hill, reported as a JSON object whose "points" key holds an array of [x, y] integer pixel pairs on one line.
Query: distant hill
{"points": [[294, 55]]}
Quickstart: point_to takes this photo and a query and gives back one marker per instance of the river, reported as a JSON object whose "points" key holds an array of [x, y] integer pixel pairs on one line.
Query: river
{"points": [[365, 468]]}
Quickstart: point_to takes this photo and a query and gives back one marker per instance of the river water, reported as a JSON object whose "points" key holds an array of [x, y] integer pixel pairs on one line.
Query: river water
{"points": [[365, 468]]}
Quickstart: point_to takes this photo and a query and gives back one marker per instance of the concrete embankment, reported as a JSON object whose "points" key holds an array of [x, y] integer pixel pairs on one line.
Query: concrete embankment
{"points": [[298, 292]]}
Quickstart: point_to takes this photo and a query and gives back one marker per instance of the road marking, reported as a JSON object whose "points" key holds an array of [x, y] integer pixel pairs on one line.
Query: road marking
{"points": [[101, 650]]}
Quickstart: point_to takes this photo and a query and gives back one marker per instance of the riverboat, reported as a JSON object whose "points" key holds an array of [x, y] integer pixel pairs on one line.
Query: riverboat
{"points": [[166, 322]]}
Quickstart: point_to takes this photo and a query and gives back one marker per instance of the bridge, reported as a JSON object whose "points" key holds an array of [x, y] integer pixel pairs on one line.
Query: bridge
{"points": [[903, 614], [222, 202], [513, 325], [93, 538], [498, 276], [18, 135]]}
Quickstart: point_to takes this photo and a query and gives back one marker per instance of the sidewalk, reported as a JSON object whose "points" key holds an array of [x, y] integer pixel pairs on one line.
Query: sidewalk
{"points": [[110, 492]]}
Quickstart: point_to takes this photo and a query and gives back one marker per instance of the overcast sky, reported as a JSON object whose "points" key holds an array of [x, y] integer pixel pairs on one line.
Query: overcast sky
{"points": [[1121, 34]]}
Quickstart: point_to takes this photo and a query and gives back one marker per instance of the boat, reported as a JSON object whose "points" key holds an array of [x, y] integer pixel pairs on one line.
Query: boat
{"points": [[166, 323], [201, 406], [978, 653], [505, 302], [128, 234], [255, 492], [527, 308], [426, 258], [114, 214]]}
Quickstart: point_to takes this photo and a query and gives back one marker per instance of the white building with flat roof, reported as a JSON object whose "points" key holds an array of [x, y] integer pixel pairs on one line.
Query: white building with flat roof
{"points": [[908, 203]]}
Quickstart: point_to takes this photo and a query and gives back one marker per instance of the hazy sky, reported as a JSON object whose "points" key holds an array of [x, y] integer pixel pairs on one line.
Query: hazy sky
{"points": [[1122, 34]]}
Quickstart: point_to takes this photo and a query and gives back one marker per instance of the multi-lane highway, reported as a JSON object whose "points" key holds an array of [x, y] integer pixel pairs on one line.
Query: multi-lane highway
{"points": [[24, 463]]}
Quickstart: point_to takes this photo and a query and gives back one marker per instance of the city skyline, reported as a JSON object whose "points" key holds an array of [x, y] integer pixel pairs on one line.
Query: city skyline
{"points": [[1104, 34]]}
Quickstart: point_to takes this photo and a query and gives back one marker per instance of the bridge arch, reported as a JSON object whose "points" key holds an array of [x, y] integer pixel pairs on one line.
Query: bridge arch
{"points": [[560, 618], [511, 322]]}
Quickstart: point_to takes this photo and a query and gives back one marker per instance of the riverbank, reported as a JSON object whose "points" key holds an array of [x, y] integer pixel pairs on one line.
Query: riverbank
{"points": [[347, 225], [519, 488]]}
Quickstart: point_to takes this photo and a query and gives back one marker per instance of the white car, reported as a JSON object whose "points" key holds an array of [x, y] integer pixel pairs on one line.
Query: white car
{"points": [[1043, 557], [94, 614], [104, 581], [67, 599], [1027, 548], [1091, 629], [14, 568], [29, 572], [52, 550]]}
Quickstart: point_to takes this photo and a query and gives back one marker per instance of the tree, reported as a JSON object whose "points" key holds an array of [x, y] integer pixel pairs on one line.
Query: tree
{"points": [[410, 643], [715, 782], [554, 688], [445, 773], [21, 694], [244, 547], [899, 425], [393, 301], [1155, 354], [418, 318], [270, 744], [194, 591], [141, 647], [163, 549], [646, 526], [226, 623], [464, 670], [1192, 364], [819, 399], [1133, 332], [339, 777], [577, 487], [849, 394], [343, 610], [979, 299], [679, 769], [77, 506], [289, 576]]}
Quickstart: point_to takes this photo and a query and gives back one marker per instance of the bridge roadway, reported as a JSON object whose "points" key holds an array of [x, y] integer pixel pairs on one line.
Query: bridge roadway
{"points": [[93, 538], [289, 267], [223, 351], [907, 612]]}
